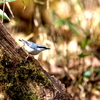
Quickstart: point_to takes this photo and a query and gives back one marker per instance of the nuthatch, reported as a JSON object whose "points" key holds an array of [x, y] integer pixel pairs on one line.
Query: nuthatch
{"points": [[32, 47]]}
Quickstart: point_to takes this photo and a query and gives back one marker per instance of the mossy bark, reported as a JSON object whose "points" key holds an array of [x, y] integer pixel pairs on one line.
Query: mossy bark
{"points": [[23, 81]]}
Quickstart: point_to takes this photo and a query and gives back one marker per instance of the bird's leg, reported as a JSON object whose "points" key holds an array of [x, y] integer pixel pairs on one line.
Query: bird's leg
{"points": [[25, 52]]}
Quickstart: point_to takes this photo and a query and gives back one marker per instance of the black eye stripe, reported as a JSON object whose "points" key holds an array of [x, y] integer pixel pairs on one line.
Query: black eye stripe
{"points": [[41, 47]]}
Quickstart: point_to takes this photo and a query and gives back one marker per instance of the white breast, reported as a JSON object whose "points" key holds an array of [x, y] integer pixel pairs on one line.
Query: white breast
{"points": [[31, 50]]}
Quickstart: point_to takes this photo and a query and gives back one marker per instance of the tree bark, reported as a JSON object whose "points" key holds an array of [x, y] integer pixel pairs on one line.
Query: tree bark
{"points": [[22, 77]]}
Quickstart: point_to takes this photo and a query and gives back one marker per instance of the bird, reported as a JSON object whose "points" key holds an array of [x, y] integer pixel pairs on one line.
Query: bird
{"points": [[33, 48]]}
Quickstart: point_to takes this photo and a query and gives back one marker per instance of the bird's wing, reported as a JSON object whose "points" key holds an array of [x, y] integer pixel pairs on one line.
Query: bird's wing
{"points": [[30, 44]]}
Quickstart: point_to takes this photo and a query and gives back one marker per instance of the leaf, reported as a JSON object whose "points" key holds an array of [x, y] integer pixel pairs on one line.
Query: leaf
{"points": [[88, 73], [80, 4], [3, 1], [39, 2], [85, 43], [4, 15], [96, 88], [72, 27], [89, 41], [82, 55], [97, 70], [59, 23]]}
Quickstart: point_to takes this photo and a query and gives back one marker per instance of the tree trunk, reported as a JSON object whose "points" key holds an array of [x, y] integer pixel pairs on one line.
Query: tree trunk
{"points": [[22, 77]]}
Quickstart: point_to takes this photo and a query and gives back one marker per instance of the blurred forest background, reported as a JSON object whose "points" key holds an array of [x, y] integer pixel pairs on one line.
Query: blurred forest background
{"points": [[71, 28]]}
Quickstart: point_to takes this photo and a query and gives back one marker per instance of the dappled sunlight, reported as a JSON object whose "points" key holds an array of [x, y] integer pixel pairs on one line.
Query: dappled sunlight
{"points": [[1, 96]]}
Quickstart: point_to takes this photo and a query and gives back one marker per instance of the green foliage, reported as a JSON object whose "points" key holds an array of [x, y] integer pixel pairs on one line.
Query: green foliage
{"points": [[80, 4], [3, 1], [4, 15], [88, 73], [82, 55], [71, 25], [85, 43], [59, 23], [39, 2], [96, 88], [97, 70]]}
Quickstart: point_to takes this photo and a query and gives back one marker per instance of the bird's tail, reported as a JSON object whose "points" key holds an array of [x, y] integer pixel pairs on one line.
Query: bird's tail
{"points": [[23, 41]]}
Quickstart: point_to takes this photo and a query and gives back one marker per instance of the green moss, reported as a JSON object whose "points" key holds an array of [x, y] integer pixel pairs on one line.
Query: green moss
{"points": [[15, 79], [2, 76], [17, 92], [43, 80], [31, 71]]}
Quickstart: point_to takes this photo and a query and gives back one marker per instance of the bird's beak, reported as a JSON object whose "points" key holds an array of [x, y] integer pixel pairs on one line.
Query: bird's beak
{"points": [[20, 40], [47, 48]]}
